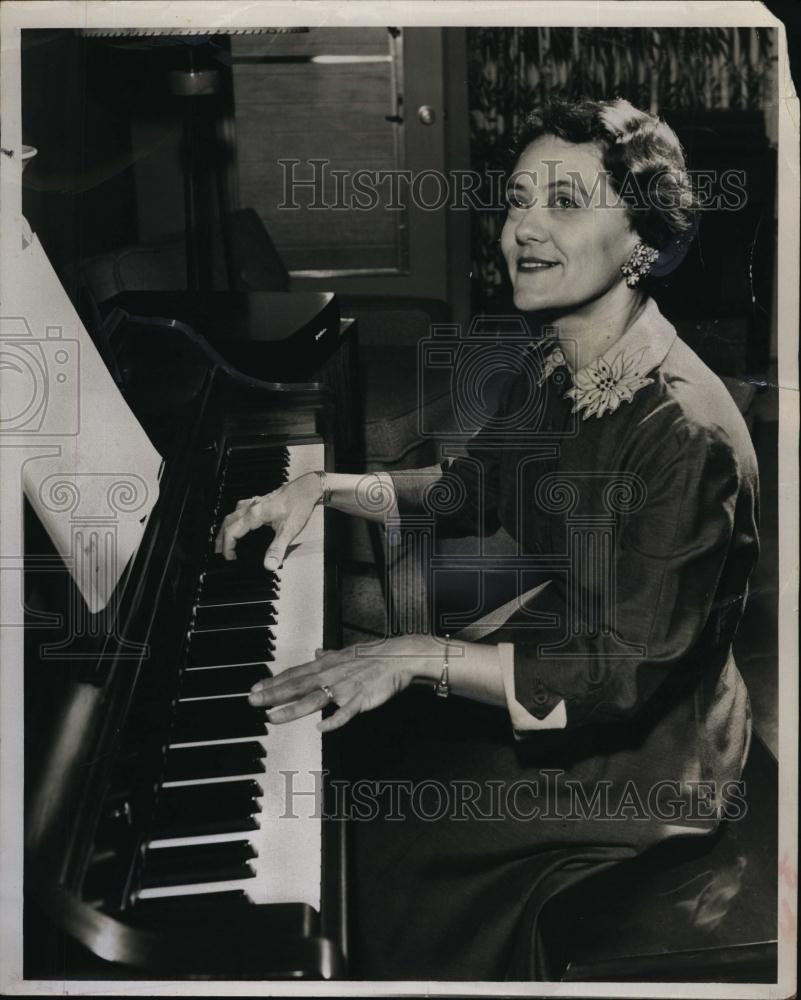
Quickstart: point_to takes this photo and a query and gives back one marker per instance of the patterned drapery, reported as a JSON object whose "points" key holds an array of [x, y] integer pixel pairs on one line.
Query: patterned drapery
{"points": [[511, 70]]}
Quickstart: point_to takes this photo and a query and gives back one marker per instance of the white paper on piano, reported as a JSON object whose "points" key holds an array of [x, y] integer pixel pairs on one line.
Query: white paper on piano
{"points": [[95, 495]]}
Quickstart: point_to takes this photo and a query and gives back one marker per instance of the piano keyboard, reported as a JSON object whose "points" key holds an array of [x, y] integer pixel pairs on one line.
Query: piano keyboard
{"points": [[225, 822]]}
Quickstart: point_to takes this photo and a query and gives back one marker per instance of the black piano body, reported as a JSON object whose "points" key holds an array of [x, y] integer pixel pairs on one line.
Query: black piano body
{"points": [[104, 714]]}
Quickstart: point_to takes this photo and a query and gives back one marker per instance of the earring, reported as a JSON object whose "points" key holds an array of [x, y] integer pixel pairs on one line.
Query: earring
{"points": [[639, 263]]}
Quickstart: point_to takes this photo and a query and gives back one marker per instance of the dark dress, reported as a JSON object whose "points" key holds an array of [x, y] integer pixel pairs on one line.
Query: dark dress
{"points": [[643, 518]]}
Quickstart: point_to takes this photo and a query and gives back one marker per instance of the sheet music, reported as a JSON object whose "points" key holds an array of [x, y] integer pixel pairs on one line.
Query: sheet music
{"points": [[94, 490]]}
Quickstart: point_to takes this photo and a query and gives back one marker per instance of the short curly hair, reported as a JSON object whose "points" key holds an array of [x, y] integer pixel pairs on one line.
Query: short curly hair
{"points": [[642, 155]]}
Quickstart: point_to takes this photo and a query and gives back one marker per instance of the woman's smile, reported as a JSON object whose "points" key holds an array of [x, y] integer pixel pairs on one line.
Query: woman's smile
{"points": [[534, 265]]}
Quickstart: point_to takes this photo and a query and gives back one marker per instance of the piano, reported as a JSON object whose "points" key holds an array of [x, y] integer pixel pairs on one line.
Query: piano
{"points": [[170, 832]]}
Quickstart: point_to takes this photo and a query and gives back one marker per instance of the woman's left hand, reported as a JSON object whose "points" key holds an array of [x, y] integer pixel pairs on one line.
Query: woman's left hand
{"points": [[358, 677]]}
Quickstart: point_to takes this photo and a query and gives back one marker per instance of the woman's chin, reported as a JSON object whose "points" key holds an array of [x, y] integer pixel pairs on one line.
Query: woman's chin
{"points": [[527, 300]]}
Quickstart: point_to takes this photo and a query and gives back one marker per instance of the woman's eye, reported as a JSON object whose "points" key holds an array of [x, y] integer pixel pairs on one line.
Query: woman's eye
{"points": [[515, 200], [564, 202]]}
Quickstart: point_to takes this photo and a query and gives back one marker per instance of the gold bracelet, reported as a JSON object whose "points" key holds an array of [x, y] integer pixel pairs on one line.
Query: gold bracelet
{"points": [[442, 687]]}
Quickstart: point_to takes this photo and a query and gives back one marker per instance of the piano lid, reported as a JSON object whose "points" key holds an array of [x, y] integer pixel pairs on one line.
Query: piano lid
{"points": [[95, 484]]}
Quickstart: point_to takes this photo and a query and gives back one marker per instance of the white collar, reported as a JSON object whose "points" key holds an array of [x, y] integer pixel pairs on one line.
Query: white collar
{"points": [[613, 377]]}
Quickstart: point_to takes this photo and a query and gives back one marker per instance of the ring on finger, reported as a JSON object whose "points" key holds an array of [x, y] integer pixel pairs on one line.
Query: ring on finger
{"points": [[327, 692]]}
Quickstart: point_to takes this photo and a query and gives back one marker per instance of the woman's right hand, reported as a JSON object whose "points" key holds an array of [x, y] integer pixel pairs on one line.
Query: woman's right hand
{"points": [[286, 510]]}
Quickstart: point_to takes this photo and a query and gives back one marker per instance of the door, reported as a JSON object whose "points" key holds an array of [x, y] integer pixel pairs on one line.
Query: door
{"points": [[341, 150]]}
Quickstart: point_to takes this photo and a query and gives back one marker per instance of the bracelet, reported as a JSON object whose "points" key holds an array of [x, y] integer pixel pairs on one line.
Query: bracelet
{"points": [[442, 687], [325, 491]]}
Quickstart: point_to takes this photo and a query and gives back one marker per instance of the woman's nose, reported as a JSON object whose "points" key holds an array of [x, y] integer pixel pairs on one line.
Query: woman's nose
{"points": [[532, 226]]}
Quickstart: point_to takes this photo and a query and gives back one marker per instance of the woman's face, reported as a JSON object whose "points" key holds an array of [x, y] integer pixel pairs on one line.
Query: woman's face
{"points": [[566, 235]]}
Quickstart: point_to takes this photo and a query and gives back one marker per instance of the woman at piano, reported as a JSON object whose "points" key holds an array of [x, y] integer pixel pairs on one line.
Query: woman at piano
{"points": [[600, 708]]}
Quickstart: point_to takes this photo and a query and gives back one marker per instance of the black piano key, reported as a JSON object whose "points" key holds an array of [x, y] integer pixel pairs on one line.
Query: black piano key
{"points": [[188, 826], [246, 645], [261, 536], [198, 863], [240, 633], [244, 443], [244, 459], [244, 568], [216, 563], [217, 568], [258, 636], [251, 548], [246, 456], [268, 589], [188, 856], [235, 615], [224, 590], [259, 469], [188, 763], [217, 719], [256, 472], [191, 810], [208, 682], [243, 483], [212, 797], [236, 592]]}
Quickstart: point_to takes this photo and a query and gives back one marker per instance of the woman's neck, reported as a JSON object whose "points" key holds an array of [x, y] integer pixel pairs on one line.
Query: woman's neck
{"points": [[585, 334]]}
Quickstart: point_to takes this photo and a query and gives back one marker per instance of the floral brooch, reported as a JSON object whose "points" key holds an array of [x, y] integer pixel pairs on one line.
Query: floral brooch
{"points": [[601, 386]]}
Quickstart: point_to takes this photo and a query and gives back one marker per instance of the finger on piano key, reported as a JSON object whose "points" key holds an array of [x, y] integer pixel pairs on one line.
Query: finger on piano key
{"points": [[247, 545], [292, 683], [233, 528]]}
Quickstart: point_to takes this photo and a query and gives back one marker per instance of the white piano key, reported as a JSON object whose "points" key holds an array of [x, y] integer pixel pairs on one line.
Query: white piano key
{"points": [[208, 838], [216, 780], [215, 697], [222, 666]]}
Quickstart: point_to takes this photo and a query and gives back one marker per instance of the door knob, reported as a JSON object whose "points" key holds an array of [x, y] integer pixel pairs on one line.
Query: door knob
{"points": [[426, 114]]}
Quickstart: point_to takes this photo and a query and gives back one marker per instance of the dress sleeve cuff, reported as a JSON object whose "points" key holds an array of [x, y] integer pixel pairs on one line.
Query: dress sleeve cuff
{"points": [[410, 486], [522, 720]]}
